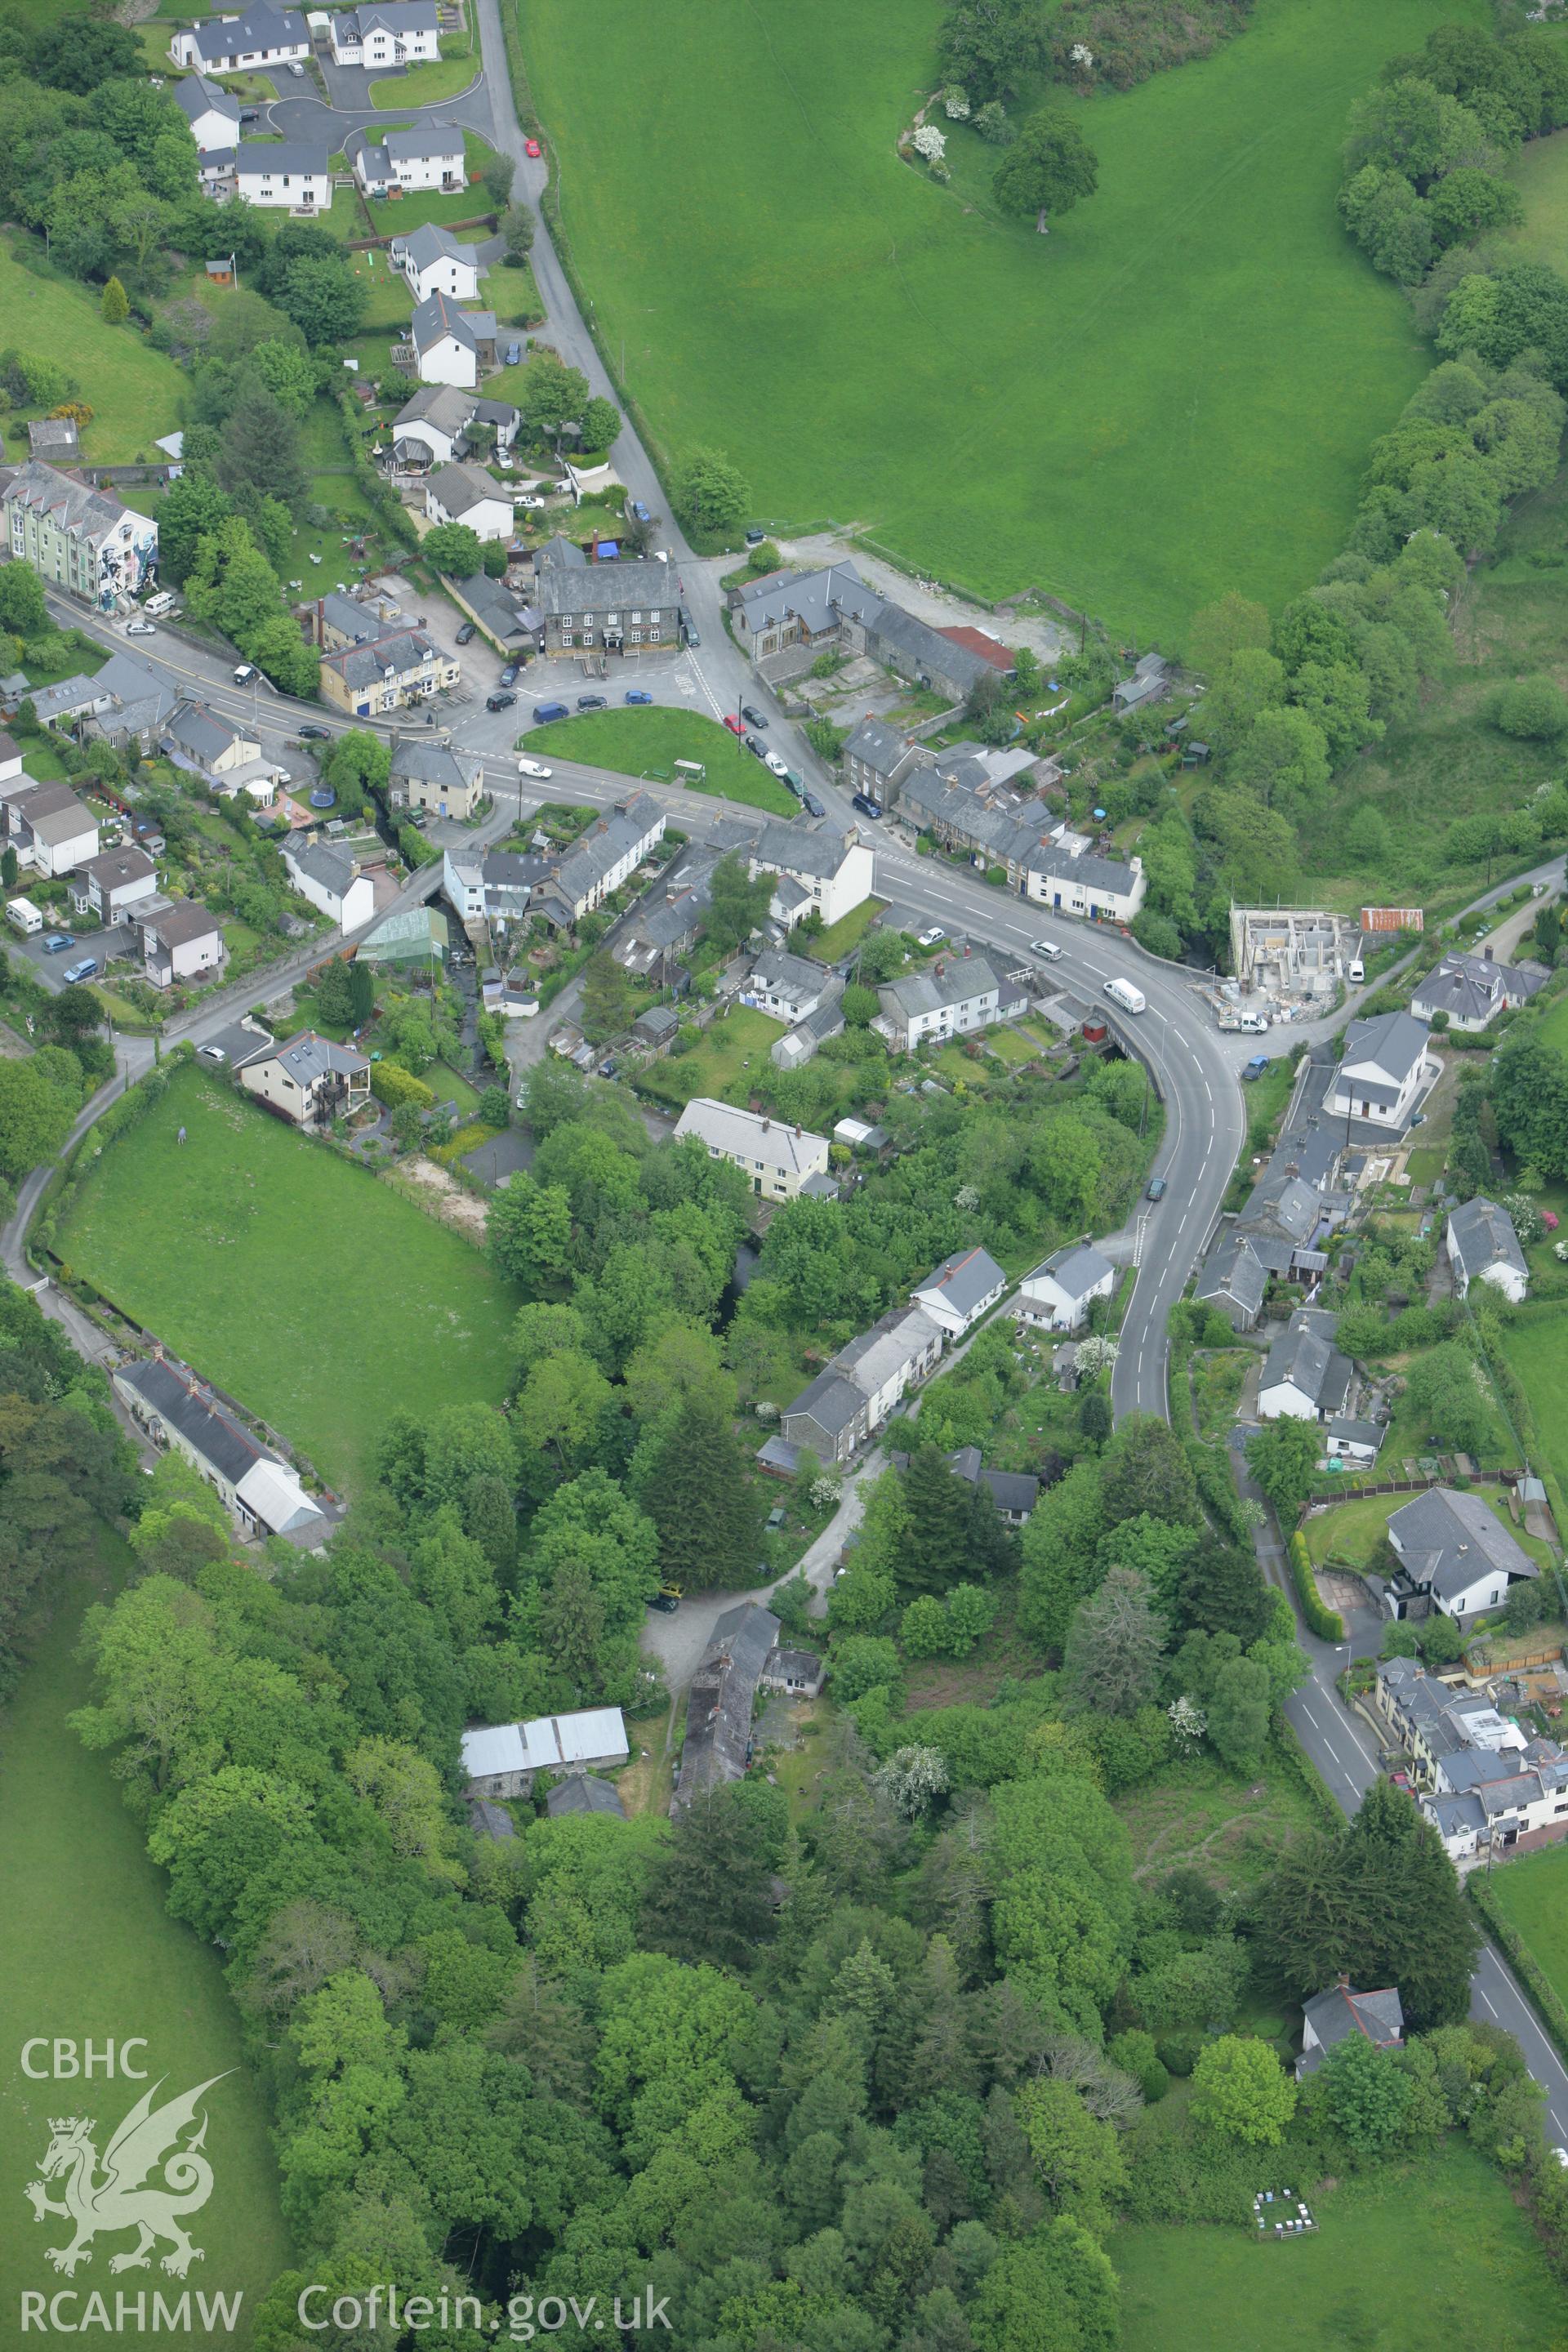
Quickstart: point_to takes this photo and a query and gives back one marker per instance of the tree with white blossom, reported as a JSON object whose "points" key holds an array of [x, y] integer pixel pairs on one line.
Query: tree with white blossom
{"points": [[1082, 57], [1095, 1355], [914, 1777], [1188, 1724], [930, 142], [955, 102]]}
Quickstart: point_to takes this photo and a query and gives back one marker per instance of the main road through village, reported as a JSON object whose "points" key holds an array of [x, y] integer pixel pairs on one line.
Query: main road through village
{"points": [[1195, 1068]]}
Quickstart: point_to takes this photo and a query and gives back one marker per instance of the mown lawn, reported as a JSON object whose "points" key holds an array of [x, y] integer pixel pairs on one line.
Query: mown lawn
{"points": [[1532, 1895], [1413, 2258], [428, 84], [847, 933], [1353, 1531], [320, 1298], [1171, 395], [733, 1046], [87, 1949], [399, 214], [647, 742], [135, 393]]}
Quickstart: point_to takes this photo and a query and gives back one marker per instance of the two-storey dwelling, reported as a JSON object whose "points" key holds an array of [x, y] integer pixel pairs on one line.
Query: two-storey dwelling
{"points": [[51, 831], [607, 608], [197, 740], [432, 262], [386, 672], [113, 884], [467, 495], [826, 870], [427, 774], [75, 538], [309, 1080], [856, 1390], [1305, 1378], [251, 41], [393, 33], [1471, 992], [962, 1289], [1057, 1293], [426, 155], [212, 113], [184, 942], [600, 860], [1384, 1068], [433, 426], [331, 879], [1453, 1554], [261, 1492], [787, 986], [452, 346], [1483, 1246], [951, 997], [283, 175], [775, 1158]]}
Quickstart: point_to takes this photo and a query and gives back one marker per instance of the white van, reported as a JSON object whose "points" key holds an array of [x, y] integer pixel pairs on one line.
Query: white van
{"points": [[23, 917], [1357, 968], [156, 606], [1122, 993]]}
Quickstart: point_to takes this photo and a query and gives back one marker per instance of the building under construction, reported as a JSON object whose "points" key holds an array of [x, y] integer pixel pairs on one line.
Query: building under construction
{"points": [[1293, 952]]}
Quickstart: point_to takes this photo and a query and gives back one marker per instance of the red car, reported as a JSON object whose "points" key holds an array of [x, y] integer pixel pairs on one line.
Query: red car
{"points": [[736, 726], [533, 149]]}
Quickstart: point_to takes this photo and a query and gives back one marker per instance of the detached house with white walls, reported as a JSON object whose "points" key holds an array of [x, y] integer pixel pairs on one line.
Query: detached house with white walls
{"points": [[775, 1158], [403, 33], [1454, 1555], [401, 162], [962, 1289], [1383, 1070], [434, 263], [1306, 1377], [453, 346], [828, 870], [467, 494], [250, 42], [212, 113], [283, 176], [331, 881], [1057, 1294], [1483, 1246]]}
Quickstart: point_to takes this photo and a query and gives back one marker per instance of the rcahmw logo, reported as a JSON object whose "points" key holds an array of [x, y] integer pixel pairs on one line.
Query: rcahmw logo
{"points": [[151, 2177]]}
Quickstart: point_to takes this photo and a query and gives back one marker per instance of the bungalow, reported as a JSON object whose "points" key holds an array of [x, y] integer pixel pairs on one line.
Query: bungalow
{"points": [[51, 830], [212, 113], [856, 1388], [432, 262], [422, 157], [956, 994], [394, 33], [1454, 1555], [1057, 1294], [962, 1289], [826, 869], [247, 43], [1349, 1440], [1305, 1378], [796, 1048], [183, 943], [467, 494], [261, 1491], [723, 1693], [1483, 1246], [110, 885], [399, 666], [427, 774], [787, 986], [453, 346], [331, 879], [774, 1157], [1472, 991], [283, 175], [1340, 2015], [1384, 1066], [500, 1760], [309, 1080]]}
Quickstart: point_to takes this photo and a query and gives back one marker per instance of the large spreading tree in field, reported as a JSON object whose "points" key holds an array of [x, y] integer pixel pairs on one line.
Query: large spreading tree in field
{"points": [[1050, 170]]}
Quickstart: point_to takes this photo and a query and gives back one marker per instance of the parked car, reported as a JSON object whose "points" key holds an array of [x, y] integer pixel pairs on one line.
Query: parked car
{"points": [[1254, 1069], [55, 942], [753, 718], [592, 702], [639, 694], [511, 673], [666, 1603], [1046, 948], [757, 748], [735, 726], [1157, 1188], [82, 970], [544, 712], [140, 628], [250, 114], [637, 511], [931, 937], [866, 804], [813, 806], [532, 149], [755, 537], [528, 499], [243, 672], [315, 734], [500, 701], [513, 355], [774, 765], [465, 634], [295, 66], [534, 768], [775, 1518], [692, 636], [793, 783], [608, 1070]]}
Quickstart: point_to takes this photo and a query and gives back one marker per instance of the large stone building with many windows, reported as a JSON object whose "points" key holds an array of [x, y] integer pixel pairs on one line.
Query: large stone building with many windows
{"points": [[608, 608], [82, 540]]}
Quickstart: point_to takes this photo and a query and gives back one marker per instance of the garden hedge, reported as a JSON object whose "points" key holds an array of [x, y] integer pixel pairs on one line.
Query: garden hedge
{"points": [[1326, 1623]]}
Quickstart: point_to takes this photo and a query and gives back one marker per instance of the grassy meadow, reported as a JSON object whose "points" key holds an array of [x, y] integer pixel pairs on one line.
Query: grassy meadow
{"points": [[1532, 1895], [135, 393], [1172, 394], [319, 1297]]}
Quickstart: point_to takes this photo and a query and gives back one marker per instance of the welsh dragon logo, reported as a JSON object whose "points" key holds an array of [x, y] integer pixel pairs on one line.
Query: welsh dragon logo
{"points": [[145, 2143]]}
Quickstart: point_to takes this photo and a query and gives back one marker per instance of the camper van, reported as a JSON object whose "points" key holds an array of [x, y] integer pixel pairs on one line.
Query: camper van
{"points": [[23, 917], [1122, 993]]}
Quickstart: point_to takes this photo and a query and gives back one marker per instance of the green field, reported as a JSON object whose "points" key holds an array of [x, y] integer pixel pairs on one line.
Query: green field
{"points": [[1532, 1895], [320, 1298], [646, 742], [87, 1949], [1416, 2259], [1538, 1351], [135, 394], [1172, 394]]}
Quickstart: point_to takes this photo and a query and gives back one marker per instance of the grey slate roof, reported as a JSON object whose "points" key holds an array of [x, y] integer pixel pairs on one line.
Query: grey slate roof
{"points": [[493, 602], [445, 405], [460, 487], [1482, 1235], [195, 95], [788, 847], [964, 1279], [275, 156], [880, 747], [308, 1057], [580, 1792], [73, 506], [187, 1404], [958, 979], [566, 587], [1107, 874], [423, 141], [812, 596], [1311, 1362], [1449, 1540], [429, 243], [115, 867], [723, 1692], [255, 27], [185, 920], [1336, 2015], [331, 868], [431, 762], [389, 654], [1233, 1269], [830, 1400], [439, 316], [1393, 1043], [1076, 1266], [782, 973], [200, 733]]}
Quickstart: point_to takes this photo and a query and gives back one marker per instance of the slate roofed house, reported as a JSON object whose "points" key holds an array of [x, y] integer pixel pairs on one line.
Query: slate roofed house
{"points": [[1335, 2016], [183, 943], [788, 986], [500, 1760], [197, 740], [385, 33], [1483, 1246], [774, 1157], [453, 346], [113, 884], [953, 995], [1385, 1064], [1147, 680], [53, 832], [829, 870], [621, 608], [796, 1048], [212, 113], [395, 667], [250, 40], [331, 879], [720, 1703], [284, 174], [1058, 1293], [433, 423], [601, 859], [1103, 890], [581, 1793], [1013, 1493], [1473, 990], [309, 1080], [467, 495], [958, 1292], [1306, 1377], [85, 541], [434, 262], [1454, 1554], [1354, 1441], [858, 1389], [261, 1491], [508, 622], [876, 756], [427, 774]]}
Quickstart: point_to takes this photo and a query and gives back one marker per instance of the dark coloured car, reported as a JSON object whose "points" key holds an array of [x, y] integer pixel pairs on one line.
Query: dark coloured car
{"points": [[793, 783], [639, 694], [754, 538], [756, 745], [1254, 1069], [592, 702], [514, 356], [250, 114], [315, 734], [667, 1602], [692, 636], [510, 674], [866, 805], [813, 806], [639, 513], [1157, 1188], [465, 634], [753, 718], [500, 701], [543, 713]]}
